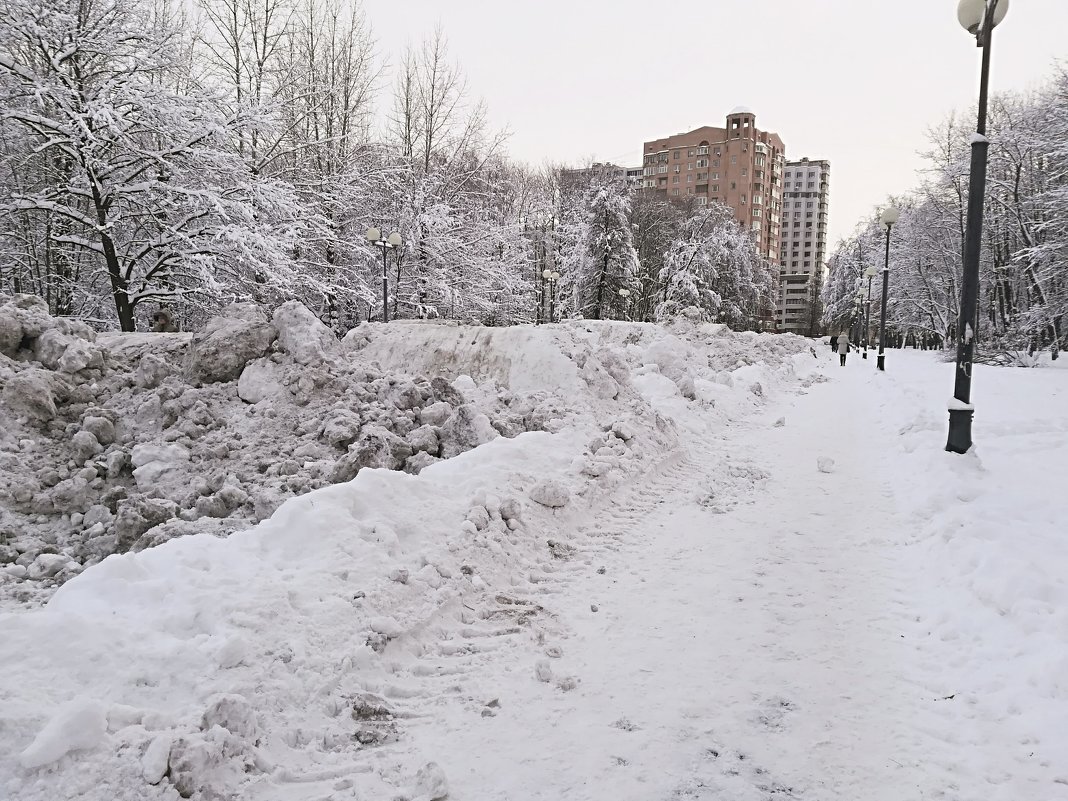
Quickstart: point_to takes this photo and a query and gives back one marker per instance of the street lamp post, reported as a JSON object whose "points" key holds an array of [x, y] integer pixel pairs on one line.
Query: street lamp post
{"points": [[623, 295], [858, 319], [978, 17], [870, 273], [889, 217], [374, 236], [552, 276], [546, 279]]}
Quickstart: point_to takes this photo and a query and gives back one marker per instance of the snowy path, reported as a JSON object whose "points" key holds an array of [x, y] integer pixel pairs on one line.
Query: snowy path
{"points": [[754, 639], [744, 653]]}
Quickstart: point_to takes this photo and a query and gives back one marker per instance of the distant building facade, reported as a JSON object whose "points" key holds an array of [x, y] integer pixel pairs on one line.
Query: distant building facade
{"points": [[803, 245], [597, 172], [738, 165]]}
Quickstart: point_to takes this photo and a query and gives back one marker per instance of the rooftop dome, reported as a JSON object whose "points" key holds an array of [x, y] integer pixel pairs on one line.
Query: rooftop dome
{"points": [[742, 110]]}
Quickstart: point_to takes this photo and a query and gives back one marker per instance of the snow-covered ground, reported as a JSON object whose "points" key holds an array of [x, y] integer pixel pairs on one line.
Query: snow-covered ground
{"points": [[729, 570]]}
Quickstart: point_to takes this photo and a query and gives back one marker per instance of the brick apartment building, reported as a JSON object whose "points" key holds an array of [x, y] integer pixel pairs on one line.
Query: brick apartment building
{"points": [[738, 165], [803, 245]]}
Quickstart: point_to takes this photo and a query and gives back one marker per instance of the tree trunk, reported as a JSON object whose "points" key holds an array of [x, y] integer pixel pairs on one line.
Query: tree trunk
{"points": [[119, 287]]}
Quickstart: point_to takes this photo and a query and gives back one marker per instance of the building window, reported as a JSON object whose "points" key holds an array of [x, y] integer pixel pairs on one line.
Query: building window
{"points": [[689, 179], [676, 155], [702, 163], [715, 188], [702, 201], [702, 151], [718, 151], [745, 170], [808, 264], [689, 191], [743, 196], [689, 166], [734, 185], [675, 192], [689, 152], [674, 179], [734, 159], [756, 212], [715, 176]]}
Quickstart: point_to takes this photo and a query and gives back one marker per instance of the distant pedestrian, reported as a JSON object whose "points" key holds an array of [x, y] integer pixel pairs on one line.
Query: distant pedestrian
{"points": [[842, 346], [163, 321]]}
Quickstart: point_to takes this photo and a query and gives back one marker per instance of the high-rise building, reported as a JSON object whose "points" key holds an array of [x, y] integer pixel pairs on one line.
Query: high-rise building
{"points": [[738, 165], [803, 247]]}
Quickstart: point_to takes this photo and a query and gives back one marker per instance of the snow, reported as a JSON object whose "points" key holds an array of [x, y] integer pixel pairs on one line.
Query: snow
{"points": [[82, 723], [707, 614]]}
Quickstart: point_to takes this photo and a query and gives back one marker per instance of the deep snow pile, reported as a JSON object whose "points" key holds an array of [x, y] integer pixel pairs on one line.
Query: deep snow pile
{"points": [[115, 443], [225, 667]]}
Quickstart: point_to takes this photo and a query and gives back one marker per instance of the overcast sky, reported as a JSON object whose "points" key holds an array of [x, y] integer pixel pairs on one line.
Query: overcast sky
{"points": [[854, 81]]}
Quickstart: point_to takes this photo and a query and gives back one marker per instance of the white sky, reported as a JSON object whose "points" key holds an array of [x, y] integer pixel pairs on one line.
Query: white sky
{"points": [[854, 81]]}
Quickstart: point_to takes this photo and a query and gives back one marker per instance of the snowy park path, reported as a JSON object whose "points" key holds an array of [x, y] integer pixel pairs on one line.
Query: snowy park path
{"points": [[747, 641], [754, 635]]}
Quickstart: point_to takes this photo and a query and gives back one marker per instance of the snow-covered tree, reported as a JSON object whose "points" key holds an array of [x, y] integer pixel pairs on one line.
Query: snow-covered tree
{"points": [[714, 265], [144, 191], [604, 260]]}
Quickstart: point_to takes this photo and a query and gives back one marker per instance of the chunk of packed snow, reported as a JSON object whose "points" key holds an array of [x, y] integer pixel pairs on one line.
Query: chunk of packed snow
{"points": [[78, 725]]}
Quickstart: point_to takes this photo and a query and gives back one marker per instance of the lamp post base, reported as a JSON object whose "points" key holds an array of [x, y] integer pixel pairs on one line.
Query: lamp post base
{"points": [[882, 361], [960, 430]]}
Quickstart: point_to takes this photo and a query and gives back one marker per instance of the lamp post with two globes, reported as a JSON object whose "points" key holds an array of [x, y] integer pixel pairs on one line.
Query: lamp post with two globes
{"points": [[374, 236], [869, 273]]}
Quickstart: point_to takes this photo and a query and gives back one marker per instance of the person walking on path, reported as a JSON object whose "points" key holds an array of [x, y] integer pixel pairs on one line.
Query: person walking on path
{"points": [[842, 347]]}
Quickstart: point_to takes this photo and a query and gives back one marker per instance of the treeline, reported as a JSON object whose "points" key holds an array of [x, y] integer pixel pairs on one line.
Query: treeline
{"points": [[1023, 298], [188, 155]]}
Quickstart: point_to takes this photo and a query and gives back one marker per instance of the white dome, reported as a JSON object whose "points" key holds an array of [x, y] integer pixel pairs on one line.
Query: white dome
{"points": [[742, 110]]}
